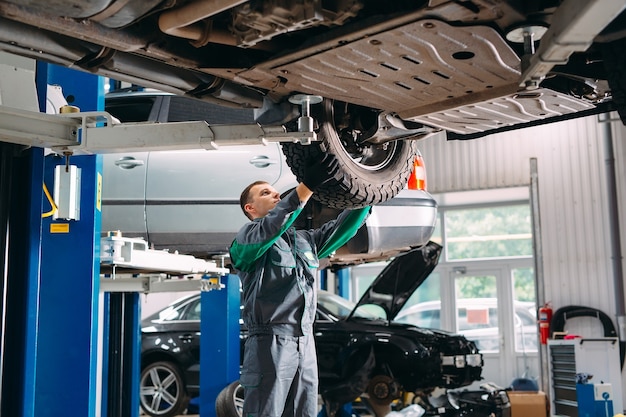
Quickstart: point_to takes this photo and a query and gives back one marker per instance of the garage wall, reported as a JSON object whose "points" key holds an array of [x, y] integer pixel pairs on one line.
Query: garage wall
{"points": [[572, 196], [573, 201]]}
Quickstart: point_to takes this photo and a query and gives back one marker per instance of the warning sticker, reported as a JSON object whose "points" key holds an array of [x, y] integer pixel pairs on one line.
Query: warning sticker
{"points": [[59, 228]]}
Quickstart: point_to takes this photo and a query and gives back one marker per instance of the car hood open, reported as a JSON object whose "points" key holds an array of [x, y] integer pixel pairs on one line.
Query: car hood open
{"points": [[401, 277]]}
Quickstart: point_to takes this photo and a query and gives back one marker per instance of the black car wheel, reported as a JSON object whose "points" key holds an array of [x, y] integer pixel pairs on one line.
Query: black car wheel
{"points": [[382, 390], [229, 402], [162, 390], [368, 173]]}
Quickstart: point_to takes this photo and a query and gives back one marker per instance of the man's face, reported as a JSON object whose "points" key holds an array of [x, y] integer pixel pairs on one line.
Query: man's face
{"points": [[263, 198]]}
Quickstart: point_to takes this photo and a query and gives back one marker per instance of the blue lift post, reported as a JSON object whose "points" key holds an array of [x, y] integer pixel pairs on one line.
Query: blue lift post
{"points": [[70, 268], [60, 347], [343, 290], [121, 342], [219, 349], [18, 376], [54, 291], [343, 282]]}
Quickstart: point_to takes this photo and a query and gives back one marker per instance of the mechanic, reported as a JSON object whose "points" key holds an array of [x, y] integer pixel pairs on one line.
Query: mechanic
{"points": [[277, 265]]}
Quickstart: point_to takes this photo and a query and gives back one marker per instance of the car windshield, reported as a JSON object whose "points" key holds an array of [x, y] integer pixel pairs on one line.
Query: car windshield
{"points": [[341, 307], [174, 311]]}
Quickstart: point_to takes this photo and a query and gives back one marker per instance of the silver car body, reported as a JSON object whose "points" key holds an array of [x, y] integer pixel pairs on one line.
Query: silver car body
{"points": [[188, 201]]}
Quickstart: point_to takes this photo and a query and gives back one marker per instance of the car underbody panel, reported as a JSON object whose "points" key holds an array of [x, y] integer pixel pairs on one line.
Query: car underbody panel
{"points": [[410, 70], [429, 62]]}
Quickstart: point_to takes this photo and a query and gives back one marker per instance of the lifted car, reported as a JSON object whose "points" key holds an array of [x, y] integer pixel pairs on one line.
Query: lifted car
{"points": [[386, 73], [188, 200], [360, 349]]}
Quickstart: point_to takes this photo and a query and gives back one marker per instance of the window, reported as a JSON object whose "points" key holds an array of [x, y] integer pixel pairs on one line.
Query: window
{"points": [[488, 232], [525, 310], [193, 311], [182, 109], [137, 109]]}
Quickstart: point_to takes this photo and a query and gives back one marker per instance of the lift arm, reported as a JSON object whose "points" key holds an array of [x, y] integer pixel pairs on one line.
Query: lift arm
{"points": [[133, 256], [98, 132]]}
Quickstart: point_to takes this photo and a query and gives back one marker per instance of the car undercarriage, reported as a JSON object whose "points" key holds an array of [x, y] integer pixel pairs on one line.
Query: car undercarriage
{"points": [[388, 72]]}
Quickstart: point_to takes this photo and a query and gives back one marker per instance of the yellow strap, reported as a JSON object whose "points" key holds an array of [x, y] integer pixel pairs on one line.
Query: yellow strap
{"points": [[49, 197]]}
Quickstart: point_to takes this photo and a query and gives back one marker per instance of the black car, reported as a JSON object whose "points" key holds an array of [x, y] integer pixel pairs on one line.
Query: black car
{"points": [[360, 349]]}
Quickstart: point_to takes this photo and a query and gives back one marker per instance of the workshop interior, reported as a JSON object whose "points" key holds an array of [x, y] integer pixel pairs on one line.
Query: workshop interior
{"points": [[487, 138]]}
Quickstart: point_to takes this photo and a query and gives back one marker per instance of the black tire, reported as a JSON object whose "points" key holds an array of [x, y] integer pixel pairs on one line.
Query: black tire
{"points": [[229, 402], [162, 390], [368, 173]]}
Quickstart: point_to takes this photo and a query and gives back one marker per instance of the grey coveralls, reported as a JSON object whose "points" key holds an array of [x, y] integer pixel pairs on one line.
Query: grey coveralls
{"points": [[277, 265]]}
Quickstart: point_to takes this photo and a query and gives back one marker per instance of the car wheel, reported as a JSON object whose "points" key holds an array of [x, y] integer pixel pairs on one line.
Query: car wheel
{"points": [[368, 173], [383, 389], [162, 390], [229, 402]]}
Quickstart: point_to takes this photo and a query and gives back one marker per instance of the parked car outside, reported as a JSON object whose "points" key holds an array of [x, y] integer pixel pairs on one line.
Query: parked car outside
{"points": [[484, 332], [355, 342], [388, 72], [189, 200]]}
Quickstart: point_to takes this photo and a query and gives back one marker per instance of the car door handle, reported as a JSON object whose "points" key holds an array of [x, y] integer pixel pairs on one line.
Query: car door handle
{"points": [[262, 161], [186, 337], [128, 162]]}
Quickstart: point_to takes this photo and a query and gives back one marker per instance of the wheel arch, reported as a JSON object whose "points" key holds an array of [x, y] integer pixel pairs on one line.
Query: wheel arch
{"points": [[367, 172]]}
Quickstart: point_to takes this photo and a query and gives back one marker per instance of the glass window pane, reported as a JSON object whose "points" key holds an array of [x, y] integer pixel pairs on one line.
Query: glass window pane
{"points": [[476, 311], [137, 109], [525, 310], [193, 312], [437, 235], [423, 307], [492, 232], [430, 290], [362, 277]]}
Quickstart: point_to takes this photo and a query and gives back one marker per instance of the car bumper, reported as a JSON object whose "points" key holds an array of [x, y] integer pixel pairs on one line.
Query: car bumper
{"points": [[404, 222]]}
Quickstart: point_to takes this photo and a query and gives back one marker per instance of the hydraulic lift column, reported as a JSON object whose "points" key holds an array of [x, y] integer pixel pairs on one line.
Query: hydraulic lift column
{"points": [[53, 290]]}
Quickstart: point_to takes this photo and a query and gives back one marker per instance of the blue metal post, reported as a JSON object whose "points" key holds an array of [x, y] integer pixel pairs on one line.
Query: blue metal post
{"points": [[22, 306], [68, 303], [323, 279], [343, 282], [122, 355], [79, 88], [121, 345], [343, 289], [61, 360], [220, 345]]}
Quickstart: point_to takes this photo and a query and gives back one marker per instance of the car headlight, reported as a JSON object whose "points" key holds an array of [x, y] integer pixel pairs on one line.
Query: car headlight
{"points": [[461, 361], [447, 360], [458, 361], [474, 360]]}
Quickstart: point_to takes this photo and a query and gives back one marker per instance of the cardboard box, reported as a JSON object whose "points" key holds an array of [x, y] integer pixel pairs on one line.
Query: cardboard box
{"points": [[528, 403]]}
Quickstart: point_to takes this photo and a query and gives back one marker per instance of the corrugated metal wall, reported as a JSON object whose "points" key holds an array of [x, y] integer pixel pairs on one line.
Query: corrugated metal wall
{"points": [[572, 197], [573, 202]]}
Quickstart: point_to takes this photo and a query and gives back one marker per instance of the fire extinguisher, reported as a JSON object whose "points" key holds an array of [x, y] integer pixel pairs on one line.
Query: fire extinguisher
{"points": [[545, 317]]}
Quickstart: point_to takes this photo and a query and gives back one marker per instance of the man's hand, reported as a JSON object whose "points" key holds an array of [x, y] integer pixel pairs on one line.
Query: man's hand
{"points": [[318, 172]]}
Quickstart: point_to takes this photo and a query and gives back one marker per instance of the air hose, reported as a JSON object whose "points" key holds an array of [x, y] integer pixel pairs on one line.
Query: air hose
{"points": [[569, 312]]}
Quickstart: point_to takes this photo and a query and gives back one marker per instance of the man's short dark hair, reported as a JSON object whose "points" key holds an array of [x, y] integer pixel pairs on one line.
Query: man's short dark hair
{"points": [[245, 196]]}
